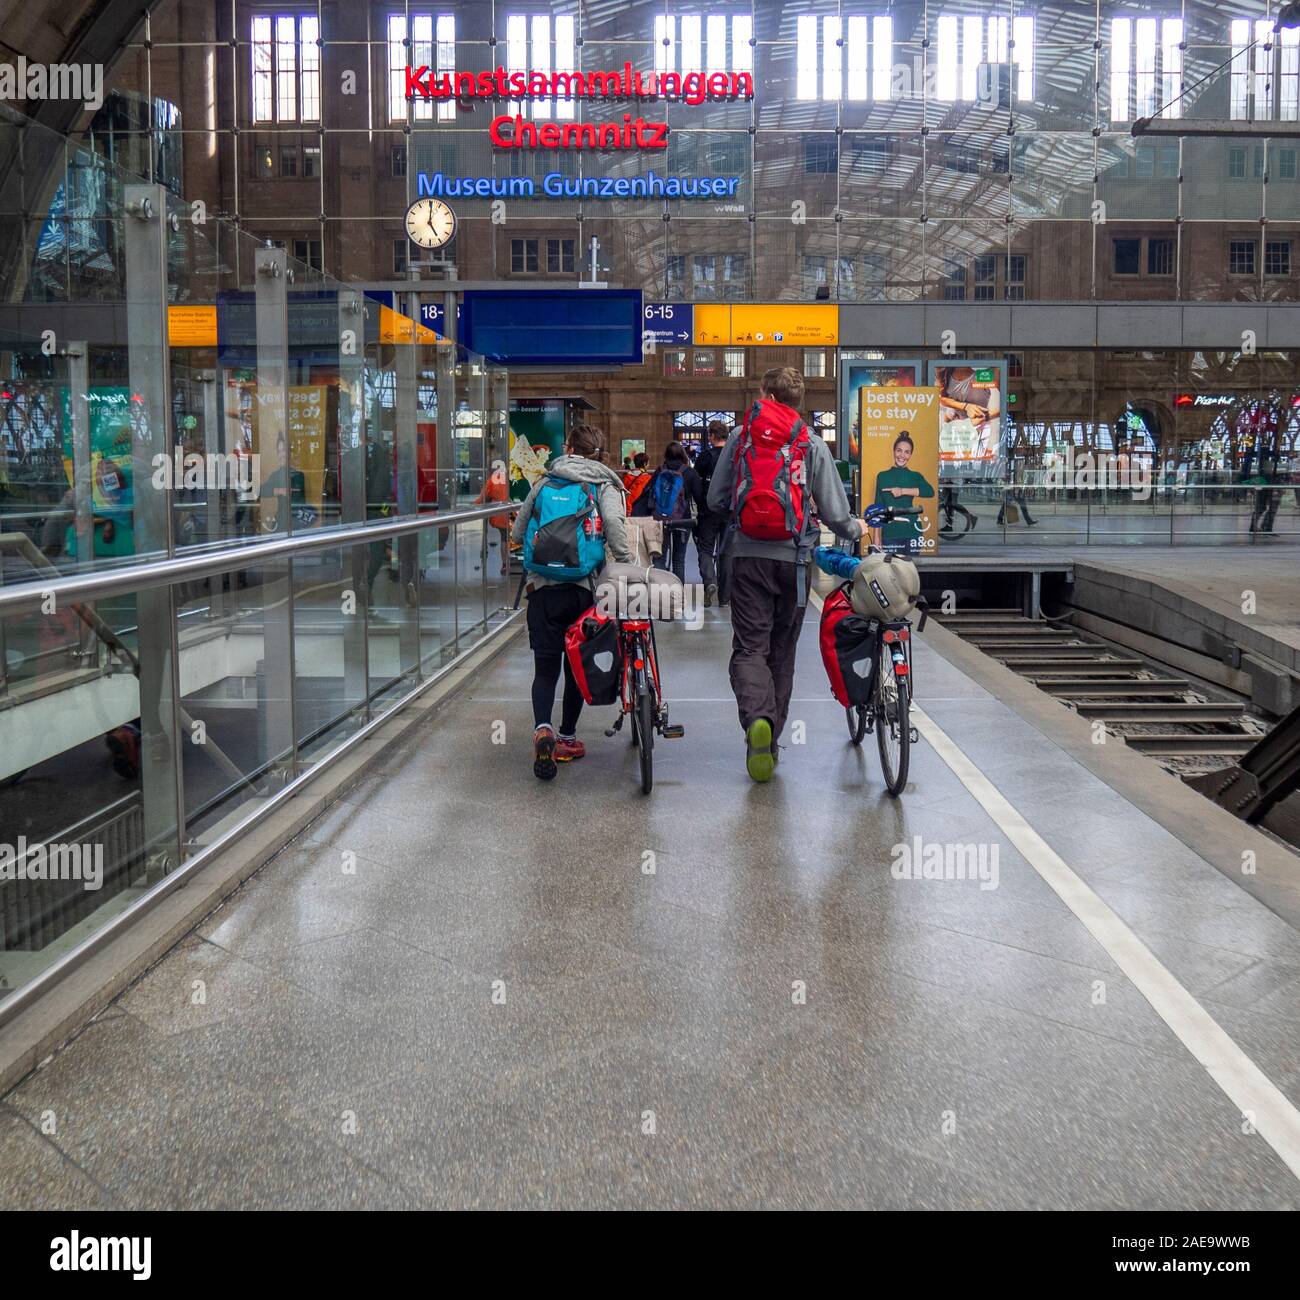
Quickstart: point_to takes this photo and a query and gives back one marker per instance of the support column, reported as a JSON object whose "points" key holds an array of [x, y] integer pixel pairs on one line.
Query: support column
{"points": [[406, 450], [279, 735], [145, 232], [352, 490], [82, 482], [215, 508]]}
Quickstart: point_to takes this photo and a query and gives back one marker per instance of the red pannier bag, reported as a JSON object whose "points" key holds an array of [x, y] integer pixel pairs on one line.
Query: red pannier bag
{"points": [[595, 657], [848, 643]]}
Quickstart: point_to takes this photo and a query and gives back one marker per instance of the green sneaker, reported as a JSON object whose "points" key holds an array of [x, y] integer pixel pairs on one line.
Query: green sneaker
{"points": [[758, 750]]}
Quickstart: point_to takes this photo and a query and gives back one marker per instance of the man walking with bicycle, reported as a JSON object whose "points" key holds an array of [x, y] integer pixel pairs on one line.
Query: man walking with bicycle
{"points": [[772, 476]]}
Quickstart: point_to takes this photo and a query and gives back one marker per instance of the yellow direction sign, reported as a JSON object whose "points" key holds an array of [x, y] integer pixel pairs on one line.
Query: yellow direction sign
{"points": [[768, 324]]}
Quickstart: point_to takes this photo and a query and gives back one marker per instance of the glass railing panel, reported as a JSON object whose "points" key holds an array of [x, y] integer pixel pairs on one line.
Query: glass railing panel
{"points": [[329, 648]]}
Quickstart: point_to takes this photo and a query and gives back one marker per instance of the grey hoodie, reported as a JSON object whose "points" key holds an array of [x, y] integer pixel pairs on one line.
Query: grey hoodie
{"points": [[829, 500], [609, 497]]}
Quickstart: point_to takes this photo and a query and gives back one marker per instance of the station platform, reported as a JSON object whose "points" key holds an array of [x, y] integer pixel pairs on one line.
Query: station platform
{"points": [[465, 987]]}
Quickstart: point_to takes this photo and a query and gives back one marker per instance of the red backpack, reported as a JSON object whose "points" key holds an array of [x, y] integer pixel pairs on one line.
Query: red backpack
{"points": [[768, 482]]}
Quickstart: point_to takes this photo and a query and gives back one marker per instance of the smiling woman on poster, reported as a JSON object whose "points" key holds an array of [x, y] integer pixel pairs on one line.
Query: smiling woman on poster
{"points": [[900, 488]]}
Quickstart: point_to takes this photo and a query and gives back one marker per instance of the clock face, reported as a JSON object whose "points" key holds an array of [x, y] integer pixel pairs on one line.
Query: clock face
{"points": [[430, 223]]}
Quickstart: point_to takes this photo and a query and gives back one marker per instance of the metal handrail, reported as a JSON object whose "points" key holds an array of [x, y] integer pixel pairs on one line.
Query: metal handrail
{"points": [[25, 597]]}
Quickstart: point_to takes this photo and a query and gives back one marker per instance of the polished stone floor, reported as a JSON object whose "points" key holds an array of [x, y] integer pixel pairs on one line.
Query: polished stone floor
{"points": [[463, 987]]}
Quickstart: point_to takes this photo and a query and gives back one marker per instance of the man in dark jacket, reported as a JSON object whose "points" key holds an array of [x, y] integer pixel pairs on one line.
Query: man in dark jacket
{"points": [[711, 530], [769, 578]]}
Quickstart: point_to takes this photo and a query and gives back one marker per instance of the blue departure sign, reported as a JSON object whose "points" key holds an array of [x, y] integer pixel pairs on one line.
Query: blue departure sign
{"points": [[542, 327], [669, 322]]}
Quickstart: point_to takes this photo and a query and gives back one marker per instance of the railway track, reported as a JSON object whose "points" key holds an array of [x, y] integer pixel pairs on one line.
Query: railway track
{"points": [[1169, 718]]}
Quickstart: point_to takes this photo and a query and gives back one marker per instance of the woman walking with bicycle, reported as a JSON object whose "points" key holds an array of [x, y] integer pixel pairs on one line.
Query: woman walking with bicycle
{"points": [[573, 515]]}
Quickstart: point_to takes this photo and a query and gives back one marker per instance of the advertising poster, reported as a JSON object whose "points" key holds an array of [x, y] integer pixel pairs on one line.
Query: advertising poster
{"points": [[900, 464], [857, 375], [536, 438], [970, 413], [111, 470], [308, 411], [629, 448]]}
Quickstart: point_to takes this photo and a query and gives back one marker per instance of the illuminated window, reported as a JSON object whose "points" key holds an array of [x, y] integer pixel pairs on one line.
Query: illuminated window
{"points": [[851, 59], [1146, 68], [969, 51], [823, 423], [285, 67], [693, 43], [1255, 72], [433, 46], [814, 363], [733, 363], [540, 43]]}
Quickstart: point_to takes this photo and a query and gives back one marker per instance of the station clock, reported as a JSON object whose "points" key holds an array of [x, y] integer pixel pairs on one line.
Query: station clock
{"points": [[430, 223]]}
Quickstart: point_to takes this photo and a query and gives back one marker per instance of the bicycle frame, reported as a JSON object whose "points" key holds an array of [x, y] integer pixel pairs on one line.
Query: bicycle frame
{"points": [[635, 633]]}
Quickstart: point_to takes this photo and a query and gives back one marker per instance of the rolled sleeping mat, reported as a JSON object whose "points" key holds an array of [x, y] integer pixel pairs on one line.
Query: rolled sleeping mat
{"points": [[639, 591]]}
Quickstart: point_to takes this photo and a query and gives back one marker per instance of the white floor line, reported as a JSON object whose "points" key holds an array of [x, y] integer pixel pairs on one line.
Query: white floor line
{"points": [[1275, 1119]]}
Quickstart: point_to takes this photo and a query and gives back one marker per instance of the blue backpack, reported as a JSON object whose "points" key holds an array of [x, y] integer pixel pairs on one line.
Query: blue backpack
{"points": [[565, 538], [672, 505]]}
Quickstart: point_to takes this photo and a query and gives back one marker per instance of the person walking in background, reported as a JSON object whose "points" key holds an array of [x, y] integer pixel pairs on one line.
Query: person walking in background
{"points": [[1264, 499], [711, 529], [497, 488], [569, 521], [771, 478], [636, 478], [674, 496]]}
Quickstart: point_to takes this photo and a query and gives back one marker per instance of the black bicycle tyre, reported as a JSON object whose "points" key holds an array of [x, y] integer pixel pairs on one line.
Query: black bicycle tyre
{"points": [[898, 728], [645, 704], [856, 716]]}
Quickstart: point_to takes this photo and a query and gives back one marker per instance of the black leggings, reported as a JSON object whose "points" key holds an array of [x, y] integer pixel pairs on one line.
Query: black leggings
{"points": [[545, 677]]}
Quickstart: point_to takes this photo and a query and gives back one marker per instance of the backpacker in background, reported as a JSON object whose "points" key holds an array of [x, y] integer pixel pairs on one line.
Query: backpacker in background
{"points": [[595, 656], [565, 538], [885, 586], [848, 645], [672, 502], [635, 481], [769, 481]]}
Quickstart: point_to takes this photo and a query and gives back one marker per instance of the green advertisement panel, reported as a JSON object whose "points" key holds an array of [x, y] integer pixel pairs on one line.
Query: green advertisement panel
{"points": [[536, 438], [110, 469]]}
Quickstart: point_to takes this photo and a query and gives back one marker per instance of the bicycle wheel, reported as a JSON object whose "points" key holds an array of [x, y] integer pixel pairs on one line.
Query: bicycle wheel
{"points": [[856, 716], [893, 727], [644, 716], [958, 521]]}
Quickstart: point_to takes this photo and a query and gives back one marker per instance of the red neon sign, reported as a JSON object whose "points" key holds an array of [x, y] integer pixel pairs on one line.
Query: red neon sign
{"points": [[517, 132]]}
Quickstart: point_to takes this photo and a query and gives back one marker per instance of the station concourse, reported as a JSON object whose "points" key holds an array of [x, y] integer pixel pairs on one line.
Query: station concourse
{"points": [[352, 356]]}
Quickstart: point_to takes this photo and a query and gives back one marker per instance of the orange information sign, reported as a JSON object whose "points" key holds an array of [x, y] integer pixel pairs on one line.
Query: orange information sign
{"points": [[192, 327], [768, 324]]}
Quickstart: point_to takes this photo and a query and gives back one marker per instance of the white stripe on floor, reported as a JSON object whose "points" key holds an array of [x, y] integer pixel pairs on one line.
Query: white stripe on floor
{"points": [[1275, 1119]]}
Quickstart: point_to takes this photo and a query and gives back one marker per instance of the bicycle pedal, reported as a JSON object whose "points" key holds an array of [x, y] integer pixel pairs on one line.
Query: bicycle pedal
{"points": [[673, 731], [914, 736]]}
